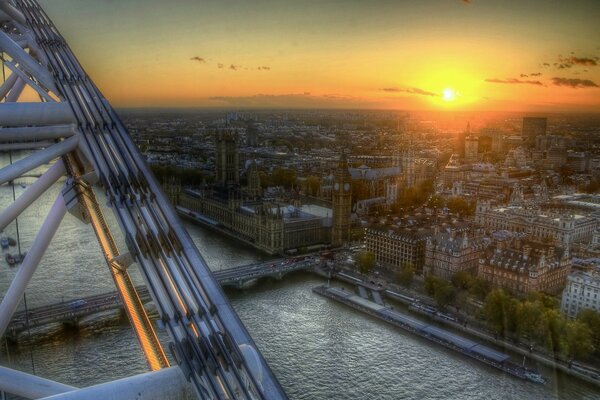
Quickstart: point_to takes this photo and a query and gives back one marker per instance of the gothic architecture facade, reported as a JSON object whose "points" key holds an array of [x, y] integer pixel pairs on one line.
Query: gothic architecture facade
{"points": [[342, 203]]}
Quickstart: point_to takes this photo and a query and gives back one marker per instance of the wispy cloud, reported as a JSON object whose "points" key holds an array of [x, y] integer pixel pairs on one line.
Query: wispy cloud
{"points": [[574, 82], [410, 91], [514, 81], [568, 62], [233, 67], [535, 74]]}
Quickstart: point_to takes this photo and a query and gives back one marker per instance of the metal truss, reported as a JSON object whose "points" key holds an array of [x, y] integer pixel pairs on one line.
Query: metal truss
{"points": [[74, 128]]}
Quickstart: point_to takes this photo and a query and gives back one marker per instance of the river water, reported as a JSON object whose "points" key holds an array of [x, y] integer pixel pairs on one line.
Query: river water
{"points": [[317, 348]]}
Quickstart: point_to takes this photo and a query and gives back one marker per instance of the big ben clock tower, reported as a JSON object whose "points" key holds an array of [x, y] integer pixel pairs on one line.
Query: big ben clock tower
{"points": [[342, 203]]}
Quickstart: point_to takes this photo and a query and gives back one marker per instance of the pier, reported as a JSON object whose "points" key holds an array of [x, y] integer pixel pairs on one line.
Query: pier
{"points": [[432, 333]]}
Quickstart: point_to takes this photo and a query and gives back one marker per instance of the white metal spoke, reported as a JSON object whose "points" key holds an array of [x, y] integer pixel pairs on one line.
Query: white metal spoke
{"points": [[29, 386], [32, 193], [14, 294], [37, 159]]}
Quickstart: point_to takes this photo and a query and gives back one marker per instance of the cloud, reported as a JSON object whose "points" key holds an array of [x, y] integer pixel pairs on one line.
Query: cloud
{"points": [[535, 74], [199, 59], [264, 68], [514, 81], [568, 62], [545, 65], [574, 82], [235, 67], [466, 1], [523, 75], [583, 61], [220, 66], [409, 90]]}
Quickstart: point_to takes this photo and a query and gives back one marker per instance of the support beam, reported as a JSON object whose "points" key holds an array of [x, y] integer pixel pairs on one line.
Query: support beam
{"points": [[16, 91], [36, 133], [25, 145], [14, 294], [12, 12], [25, 114], [32, 193], [26, 61], [4, 16], [36, 159], [167, 383], [29, 386], [7, 85], [16, 70]]}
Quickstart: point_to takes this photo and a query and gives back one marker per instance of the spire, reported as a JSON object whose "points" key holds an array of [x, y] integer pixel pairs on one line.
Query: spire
{"points": [[343, 161]]}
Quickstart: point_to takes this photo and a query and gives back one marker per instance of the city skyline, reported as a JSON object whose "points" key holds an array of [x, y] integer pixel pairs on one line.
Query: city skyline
{"points": [[436, 55]]}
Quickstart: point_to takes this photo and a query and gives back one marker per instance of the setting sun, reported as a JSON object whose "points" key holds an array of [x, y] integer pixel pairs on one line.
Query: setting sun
{"points": [[449, 94]]}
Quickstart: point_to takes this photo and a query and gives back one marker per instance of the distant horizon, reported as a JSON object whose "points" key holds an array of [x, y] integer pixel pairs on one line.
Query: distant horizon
{"points": [[419, 111]]}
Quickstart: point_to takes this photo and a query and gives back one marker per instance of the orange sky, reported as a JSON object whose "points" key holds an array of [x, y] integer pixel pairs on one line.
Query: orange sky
{"points": [[506, 56]]}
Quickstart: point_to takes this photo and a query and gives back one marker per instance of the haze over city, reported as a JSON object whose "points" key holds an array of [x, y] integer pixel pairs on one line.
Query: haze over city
{"points": [[418, 55]]}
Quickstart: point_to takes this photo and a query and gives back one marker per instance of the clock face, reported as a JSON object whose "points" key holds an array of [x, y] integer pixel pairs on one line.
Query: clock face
{"points": [[336, 186], [346, 186]]}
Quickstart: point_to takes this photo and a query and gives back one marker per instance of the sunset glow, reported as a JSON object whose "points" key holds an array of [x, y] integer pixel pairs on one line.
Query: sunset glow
{"points": [[438, 54], [449, 94]]}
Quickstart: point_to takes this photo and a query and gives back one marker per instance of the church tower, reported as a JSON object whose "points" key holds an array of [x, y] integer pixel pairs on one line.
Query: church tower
{"points": [[254, 188], [342, 203], [228, 159]]}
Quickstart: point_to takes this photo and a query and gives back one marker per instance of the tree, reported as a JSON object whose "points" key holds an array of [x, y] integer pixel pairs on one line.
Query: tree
{"points": [[405, 275], [499, 311], [480, 288], [546, 300], [313, 184], [578, 340], [366, 262], [462, 280], [442, 292], [429, 284], [284, 177], [458, 205], [436, 201], [554, 331], [592, 319], [531, 322]]}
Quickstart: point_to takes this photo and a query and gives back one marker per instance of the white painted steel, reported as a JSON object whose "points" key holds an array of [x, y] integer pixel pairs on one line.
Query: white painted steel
{"points": [[26, 62], [14, 294], [18, 168], [26, 114], [16, 90], [25, 145], [167, 383], [29, 386], [7, 85], [12, 12], [36, 133], [32, 193], [11, 65]]}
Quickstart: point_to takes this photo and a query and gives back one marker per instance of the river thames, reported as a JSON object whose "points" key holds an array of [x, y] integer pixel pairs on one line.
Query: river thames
{"points": [[317, 348]]}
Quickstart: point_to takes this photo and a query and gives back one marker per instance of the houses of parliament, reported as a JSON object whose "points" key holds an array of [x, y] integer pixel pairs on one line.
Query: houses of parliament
{"points": [[272, 226]]}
